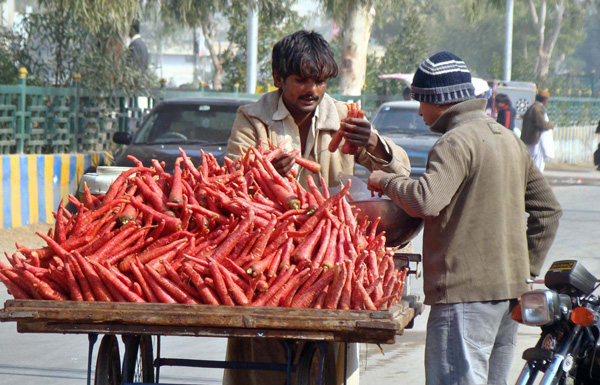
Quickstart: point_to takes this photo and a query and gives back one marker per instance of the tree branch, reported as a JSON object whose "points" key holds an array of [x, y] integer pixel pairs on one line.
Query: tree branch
{"points": [[533, 13], [560, 11]]}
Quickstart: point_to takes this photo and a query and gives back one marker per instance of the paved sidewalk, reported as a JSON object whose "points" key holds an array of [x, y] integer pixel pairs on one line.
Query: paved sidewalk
{"points": [[560, 173]]}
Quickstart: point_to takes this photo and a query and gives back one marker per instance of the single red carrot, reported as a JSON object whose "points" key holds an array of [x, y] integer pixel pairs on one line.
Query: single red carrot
{"points": [[171, 223], [206, 294], [58, 249], [114, 188], [261, 243], [346, 295], [310, 165], [236, 292], [160, 293], [331, 251], [275, 287], [100, 290], [223, 250], [42, 287], [305, 249], [83, 282], [319, 302], [113, 242], [150, 254], [74, 289], [176, 194], [304, 298], [336, 140], [110, 279], [149, 294], [173, 290], [312, 222], [367, 302], [335, 290], [288, 286], [220, 286], [14, 289], [275, 262]]}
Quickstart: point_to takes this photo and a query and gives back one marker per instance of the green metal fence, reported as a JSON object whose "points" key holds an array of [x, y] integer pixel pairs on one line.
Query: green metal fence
{"points": [[44, 120]]}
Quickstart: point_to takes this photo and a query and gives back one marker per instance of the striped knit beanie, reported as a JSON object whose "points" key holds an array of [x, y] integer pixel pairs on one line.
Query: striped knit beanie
{"points": [[442, 79]]}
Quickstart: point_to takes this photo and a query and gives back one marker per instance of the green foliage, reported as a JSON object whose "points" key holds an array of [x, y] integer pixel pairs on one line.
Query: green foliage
{"points": [[406, 46], [522, 69], [57, 44], [11, 57], [275, 21]]}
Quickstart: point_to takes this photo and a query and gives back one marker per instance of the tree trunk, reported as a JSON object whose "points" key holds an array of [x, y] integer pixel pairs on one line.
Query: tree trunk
{"points": [[196, 51], [209, 33], [355, 36], [545, 43]]}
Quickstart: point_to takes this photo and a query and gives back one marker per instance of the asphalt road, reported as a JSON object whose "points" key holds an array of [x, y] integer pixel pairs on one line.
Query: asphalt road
{"points": [[42, 359]]}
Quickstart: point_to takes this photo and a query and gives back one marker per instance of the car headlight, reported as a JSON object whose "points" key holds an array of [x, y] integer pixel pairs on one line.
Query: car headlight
{"points": [[539, 307]]}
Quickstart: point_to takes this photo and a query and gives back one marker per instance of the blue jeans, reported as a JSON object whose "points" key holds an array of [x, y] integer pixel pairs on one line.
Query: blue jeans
{"points": [[470, 343]]}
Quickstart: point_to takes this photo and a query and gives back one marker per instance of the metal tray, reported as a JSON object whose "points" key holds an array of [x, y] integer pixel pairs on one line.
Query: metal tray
{"points": [[399, 227]]}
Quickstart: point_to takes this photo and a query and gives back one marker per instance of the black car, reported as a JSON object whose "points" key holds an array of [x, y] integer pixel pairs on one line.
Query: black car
{"points": [[400, 121], [192, 124]]}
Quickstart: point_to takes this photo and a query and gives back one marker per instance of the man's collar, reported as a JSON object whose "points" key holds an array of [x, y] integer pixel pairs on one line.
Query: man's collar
{"points": [[282, 112], [458, 113], [135, 37]]}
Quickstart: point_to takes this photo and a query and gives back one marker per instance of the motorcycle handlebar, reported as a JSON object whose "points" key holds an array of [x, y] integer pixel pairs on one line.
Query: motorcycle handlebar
{"points": [[538, 281]]}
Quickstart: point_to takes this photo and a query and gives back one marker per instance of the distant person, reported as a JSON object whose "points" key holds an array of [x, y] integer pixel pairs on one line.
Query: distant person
{"points": [[537, 131], [406, 93], [597, 152], [137, 49], [506, 112]]}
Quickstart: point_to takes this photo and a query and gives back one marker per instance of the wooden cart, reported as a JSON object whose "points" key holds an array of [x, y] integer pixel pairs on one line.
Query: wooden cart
{"points": [[136, 323]]}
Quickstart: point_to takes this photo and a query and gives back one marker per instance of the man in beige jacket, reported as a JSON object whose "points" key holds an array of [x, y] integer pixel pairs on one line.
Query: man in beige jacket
{"points": [[301, 116], [479, 246]]}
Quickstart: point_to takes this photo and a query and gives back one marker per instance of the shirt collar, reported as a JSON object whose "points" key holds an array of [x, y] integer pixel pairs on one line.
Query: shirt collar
{"points": [[282, 112], [135, 37]]}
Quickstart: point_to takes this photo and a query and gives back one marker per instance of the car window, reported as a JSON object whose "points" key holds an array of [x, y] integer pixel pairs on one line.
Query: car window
{"points": [[397, 119], [174, 123]]}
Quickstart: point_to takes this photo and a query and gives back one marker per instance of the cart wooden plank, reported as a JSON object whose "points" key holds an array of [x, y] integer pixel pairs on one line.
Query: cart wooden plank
{"points": [[225, 321]]}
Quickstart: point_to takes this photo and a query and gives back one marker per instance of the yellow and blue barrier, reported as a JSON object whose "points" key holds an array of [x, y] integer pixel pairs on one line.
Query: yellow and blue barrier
{"points": [[33, 185]]}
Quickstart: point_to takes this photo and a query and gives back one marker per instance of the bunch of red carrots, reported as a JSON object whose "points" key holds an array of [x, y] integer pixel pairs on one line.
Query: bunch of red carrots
{"points": [[237, 234]]}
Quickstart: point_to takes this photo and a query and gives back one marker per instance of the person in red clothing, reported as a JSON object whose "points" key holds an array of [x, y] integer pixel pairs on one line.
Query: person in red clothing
{"points": [[506, 112]]}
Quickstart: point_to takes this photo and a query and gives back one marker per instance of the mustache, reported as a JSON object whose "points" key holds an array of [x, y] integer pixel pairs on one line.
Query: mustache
{"points": [[310, 97]]}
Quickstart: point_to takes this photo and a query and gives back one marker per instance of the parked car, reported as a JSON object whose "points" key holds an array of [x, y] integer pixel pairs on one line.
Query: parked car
{"points": [[400, 121], [192, 124]]}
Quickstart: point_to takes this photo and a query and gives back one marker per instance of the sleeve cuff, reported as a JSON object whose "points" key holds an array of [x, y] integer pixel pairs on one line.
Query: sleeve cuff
{"points": [[380, 161]]}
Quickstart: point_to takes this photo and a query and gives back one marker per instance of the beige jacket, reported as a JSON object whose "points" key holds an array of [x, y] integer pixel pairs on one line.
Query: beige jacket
{"points": [[255, 122], [478, 244]]}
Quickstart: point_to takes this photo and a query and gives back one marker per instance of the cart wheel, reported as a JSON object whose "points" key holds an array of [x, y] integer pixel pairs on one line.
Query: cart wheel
{"points": [[108, 363], [308, 364], [138, 359]]}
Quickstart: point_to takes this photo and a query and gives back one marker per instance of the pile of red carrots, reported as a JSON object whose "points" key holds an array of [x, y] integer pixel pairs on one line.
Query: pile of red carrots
{"points": [[237, 234]]}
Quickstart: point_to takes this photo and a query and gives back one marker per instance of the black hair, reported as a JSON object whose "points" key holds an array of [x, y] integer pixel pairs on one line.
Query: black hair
{"points": [[135, 26], [306, 54], [503, 98], [540, 98]]}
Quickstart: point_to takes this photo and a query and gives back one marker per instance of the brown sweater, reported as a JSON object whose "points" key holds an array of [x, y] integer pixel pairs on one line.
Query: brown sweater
{"points": [[478, 244]]}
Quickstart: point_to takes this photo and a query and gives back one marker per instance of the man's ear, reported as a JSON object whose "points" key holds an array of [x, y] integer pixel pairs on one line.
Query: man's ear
{"points": [[277, 80]]}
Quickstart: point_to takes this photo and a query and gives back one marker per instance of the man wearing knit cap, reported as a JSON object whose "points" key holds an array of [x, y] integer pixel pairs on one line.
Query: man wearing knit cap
{"points": [[478, 245]]}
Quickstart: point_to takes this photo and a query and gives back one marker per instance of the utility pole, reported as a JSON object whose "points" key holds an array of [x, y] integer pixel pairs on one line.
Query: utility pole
{"points": [[252, 48], [508, 37]]}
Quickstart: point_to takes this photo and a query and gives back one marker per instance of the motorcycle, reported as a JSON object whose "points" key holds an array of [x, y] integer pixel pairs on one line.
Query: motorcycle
{"points": [[568, 351]]}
